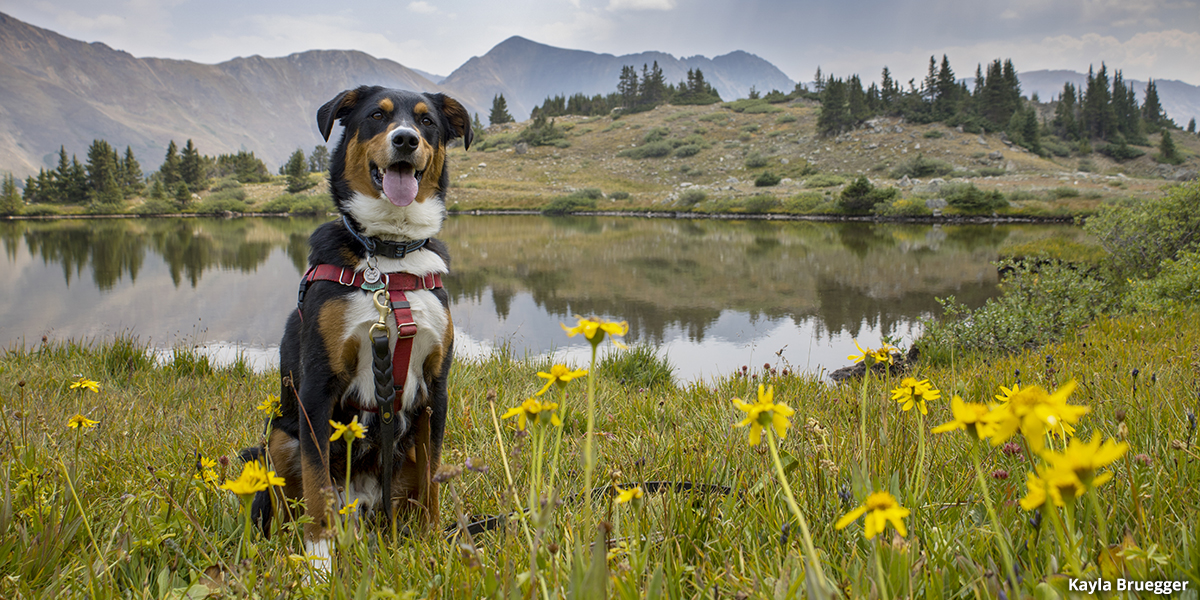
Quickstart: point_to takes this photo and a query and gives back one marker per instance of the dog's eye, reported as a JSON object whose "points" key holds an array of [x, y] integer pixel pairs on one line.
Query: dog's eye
{"points": [[426, 121], [377, 115]]}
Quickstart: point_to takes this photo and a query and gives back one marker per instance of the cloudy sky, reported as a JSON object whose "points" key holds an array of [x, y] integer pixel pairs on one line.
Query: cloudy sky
{"points": [[1144, 38]]}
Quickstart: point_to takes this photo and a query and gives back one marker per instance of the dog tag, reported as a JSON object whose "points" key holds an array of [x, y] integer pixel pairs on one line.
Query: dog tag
{"points": [[373, 279]]}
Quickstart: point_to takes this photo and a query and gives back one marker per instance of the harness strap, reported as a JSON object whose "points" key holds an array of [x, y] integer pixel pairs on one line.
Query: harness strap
{"points": [[406, 326]]}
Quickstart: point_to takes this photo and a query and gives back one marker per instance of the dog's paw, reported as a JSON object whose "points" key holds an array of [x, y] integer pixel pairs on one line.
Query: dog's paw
{"points": [[319, 556]]}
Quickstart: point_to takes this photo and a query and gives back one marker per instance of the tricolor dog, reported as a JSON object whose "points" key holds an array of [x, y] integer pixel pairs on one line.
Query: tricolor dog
{"points": [[376, 273]]}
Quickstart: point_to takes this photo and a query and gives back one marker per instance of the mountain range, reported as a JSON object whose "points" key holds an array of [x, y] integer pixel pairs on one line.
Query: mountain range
{"points": [[56, 91]]}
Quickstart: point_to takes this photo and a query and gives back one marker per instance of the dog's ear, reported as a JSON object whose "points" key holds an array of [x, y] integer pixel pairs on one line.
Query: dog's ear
{"points": [[456, 115], [335, 109]]}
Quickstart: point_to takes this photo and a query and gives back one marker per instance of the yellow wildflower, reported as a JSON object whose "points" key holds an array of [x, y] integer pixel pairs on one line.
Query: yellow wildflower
{"points": [[880, 509], [594, 330], [353, 430], [764, 413], [270, 406], [86, 384], [206, 471], [559, 374], [1034, 412], [254, 478], [532, 408], [1085, 458], [1006, 393], [872, 356], [81, 422], [349, 508], [631, 494], [970, 417], [913, 392], [1061, 486]]}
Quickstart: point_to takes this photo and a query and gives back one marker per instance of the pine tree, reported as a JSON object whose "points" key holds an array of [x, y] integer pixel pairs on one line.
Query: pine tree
{"points": [[1167, 153], [653, 87], [1152, 110], [1098, 113], [889, 92], [191, 168], [856, 101], [499, 111], [1065, 124], [131, 174], [60, 192], [834, 117], [1030, 132], [1191, 128], [318, 161], [929, 86], [102, 174], [10, 197], [182, 196], [946, 87], [169, 171], [158, 191], [31, 192], [819, 81], [627, 87], [296, 170]]}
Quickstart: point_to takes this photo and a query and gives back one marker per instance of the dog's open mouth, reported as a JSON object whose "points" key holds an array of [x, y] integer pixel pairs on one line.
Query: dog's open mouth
{"points": [[398, 182]]}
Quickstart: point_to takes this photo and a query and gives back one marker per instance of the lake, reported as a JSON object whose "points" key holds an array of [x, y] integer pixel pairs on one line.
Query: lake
{"points": [[712, 295]]}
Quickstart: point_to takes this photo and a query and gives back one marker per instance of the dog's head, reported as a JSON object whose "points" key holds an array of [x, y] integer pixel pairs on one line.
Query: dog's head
{"points": [[388, 172]]}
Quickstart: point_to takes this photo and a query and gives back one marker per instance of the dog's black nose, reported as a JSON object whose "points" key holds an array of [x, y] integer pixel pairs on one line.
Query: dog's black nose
{"points": [[405, 139]]}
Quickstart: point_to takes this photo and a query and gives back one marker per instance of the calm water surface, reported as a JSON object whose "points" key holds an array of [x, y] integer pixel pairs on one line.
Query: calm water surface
{"points": [[712, 295]]}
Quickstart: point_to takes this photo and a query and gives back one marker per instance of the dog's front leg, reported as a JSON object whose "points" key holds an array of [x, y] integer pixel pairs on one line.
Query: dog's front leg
{"points": [[314, 461]]}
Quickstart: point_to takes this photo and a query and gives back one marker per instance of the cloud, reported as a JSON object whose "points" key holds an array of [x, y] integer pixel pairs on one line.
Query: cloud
{"points": [[641, 4], [422, 7], [279, 35]]}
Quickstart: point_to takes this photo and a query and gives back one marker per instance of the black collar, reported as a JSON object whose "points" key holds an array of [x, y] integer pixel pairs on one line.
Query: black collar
{"points": [[384, 248]]}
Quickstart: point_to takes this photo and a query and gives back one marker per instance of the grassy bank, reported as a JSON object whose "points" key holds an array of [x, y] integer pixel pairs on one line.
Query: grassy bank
{"points": [[127, 508]]}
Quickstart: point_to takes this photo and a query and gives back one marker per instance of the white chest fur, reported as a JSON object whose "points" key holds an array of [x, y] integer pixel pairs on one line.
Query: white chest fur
{"points": [[431, 318]]}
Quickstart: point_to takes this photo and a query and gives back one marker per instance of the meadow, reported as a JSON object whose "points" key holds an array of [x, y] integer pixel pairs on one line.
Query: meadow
{"points": [[120, 473]]}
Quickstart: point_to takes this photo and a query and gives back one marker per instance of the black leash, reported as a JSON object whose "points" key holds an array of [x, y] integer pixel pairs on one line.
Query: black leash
{"points": [[385, 396], [484, 523]]}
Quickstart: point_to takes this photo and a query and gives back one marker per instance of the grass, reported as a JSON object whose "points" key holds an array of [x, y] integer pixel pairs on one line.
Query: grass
{"points": [[118, 511]]}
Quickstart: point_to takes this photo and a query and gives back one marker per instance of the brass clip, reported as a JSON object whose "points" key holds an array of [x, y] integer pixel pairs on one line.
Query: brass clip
{"points": [[384, 308]]}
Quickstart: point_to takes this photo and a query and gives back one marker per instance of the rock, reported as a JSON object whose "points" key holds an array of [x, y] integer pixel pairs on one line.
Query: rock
{"points": [[904, 181], [1007, 143], [959, 129], [995, 155], [685, 184], [982, 142], [872, 146], [521, 148], [482, 165], [937, 212], [731, 180], [898, 129], [785, 180], [917, 147], [936, 203], [783, 161]]}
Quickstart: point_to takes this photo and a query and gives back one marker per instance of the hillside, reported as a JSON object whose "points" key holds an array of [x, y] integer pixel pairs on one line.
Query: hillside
{"points": [[527, 72], [58, 91], [501, 174]]}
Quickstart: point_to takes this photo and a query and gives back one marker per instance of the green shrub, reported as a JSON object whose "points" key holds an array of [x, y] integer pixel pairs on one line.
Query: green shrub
{"points": [[226, 183], [619, 195], [1056, 146], [656, 134], [1038, 305], [933, 134], [786, 119], [1120, 151], [1086, 165], [687, 150], [1177, 283], [654, 150], [692, 197], [824, 180], [751, 128], [766, 179], [756, 161], [1141, 234], [761, 203], [41, 210], [919, 166], [860, 197], [968, 198], [1059, 193], [299, 204], [156, 206], [568, 204], [992, 171], [714, 117], [217, 204], [808, 202]]}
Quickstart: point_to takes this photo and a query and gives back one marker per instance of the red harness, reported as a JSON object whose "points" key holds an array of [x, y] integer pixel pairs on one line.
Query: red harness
{"points": [[406, 327]]}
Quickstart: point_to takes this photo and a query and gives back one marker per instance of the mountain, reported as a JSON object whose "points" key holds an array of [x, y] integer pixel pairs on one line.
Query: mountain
{"points": [[527, 72], [58, 91], [1180, 100]]}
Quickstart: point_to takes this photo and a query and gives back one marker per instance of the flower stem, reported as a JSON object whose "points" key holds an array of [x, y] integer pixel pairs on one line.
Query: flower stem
{"points": [[1005, 553], [920, 455], [883, 593], [862, 417], [589, 457], [809, 550], [1101, 522]]}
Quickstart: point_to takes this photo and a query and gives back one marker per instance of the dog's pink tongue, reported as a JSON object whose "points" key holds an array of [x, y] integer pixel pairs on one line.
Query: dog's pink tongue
{"points": [[400, 184]]}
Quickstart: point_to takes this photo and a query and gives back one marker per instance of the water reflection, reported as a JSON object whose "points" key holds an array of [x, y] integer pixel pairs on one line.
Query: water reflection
{"points": [[713, 294]]}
